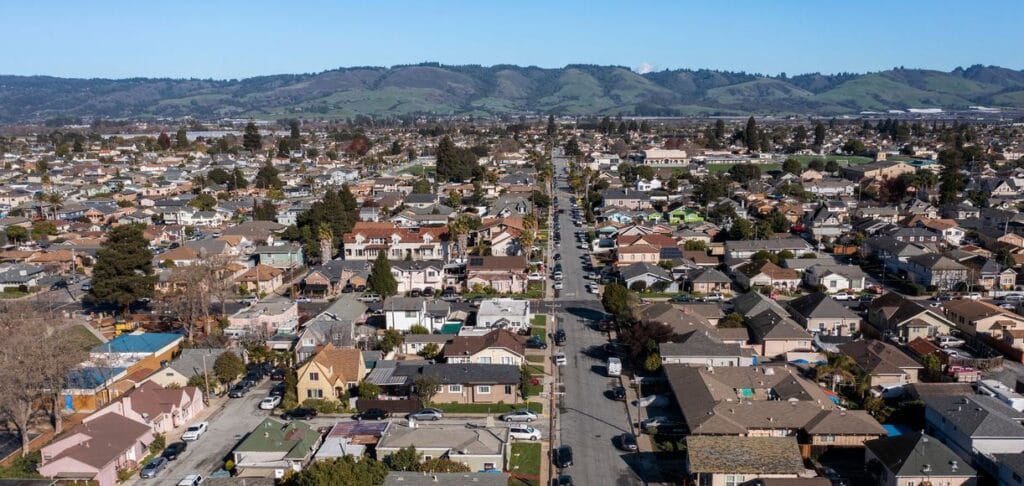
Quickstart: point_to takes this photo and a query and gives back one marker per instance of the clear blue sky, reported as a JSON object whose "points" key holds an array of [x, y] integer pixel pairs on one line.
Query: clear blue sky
{"points": [[241, 38]]}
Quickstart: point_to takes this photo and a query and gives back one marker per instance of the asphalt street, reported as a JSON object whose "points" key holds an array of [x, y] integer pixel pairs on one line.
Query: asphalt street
{"points": [[588, 420]]}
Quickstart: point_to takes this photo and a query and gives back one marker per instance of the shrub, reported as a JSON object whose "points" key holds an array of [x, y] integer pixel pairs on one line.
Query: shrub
{"points": [[324, 406], [158, 444]]}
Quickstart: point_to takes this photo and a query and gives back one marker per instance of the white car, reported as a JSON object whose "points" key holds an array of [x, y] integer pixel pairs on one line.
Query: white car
{"points": [[535, 276], [843, 296], [560, 359], [593, 288], [523, 432], [557, 276], [270, 403], [191, 480], [194, 431], [557, 286], [950, 341]]}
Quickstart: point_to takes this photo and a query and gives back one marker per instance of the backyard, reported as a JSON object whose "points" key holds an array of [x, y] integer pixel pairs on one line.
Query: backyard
{"points": [[524, 465]]}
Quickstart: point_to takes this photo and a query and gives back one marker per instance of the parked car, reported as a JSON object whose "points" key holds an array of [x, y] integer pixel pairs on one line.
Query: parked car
{"points": [[843, 296], [972, 296], [270, 403], [195, 431], [153, 467], [562, 480], [557, 286], [299, 414], [239, 390], [427, 414], [626, 442], [559, 337], [449, 294], [617, 393], [519, 416], [535, 276], [950, 341], [369, 297], [277, 374], [523, 432], [191, 480], [536, 342], [174, 450], [374, 414], [562, 457], [560, 359], [277, 390]]}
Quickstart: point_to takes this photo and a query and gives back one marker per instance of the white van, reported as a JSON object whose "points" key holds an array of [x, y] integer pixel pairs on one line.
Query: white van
{"points": [[614, 367]]}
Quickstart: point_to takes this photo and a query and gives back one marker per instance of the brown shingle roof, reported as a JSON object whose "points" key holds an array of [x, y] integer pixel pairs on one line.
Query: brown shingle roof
{"points": [[470, 345], [343, 363]]}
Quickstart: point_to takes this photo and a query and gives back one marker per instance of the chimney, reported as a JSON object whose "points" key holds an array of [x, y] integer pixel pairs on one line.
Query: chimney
{"points": [[953, 465]]}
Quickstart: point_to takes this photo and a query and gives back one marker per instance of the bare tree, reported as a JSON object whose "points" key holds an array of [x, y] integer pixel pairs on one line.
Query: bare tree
{"points": [[189, 301], [36, 356]]}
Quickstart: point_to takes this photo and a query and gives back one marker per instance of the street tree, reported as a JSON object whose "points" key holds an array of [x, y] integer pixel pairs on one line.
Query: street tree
{"points": [[123, 272], [228, 367]]}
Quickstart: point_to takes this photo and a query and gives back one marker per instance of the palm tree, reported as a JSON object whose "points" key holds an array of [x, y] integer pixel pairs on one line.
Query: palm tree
{"points": [[458, 230], [839, 369]]}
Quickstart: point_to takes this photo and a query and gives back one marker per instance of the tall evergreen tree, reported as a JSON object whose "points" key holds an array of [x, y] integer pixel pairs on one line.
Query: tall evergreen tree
{"points": [[819, 134], [381, 280], [124, 268], [552, 127], [750, 135], [251, 139], [181, 139]]}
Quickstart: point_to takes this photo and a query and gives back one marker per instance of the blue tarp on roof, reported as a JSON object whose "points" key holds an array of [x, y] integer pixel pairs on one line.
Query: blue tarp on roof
{"points": [[91, 377], [149, 342], [895, 430]]}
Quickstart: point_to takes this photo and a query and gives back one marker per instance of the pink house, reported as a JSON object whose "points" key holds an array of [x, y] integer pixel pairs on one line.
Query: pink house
{"points": [[96, 450], [264, 318], [162, 408]]}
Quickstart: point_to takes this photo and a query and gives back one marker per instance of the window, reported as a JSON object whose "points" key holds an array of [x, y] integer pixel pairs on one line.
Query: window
{"points": [[485, 359], [507, 360], [483, 389], [411, 314], [427, 458], [314, 393], [734, 479], [508, 389], [314, 376], [454, 388], [828, 439], [488, 466]]}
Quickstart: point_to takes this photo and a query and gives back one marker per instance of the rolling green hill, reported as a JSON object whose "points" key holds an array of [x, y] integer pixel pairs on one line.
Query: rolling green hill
{"points": [[436, 89]]}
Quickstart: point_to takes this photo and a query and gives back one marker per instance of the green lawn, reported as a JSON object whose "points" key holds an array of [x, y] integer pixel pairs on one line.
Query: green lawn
{"points": [[485, 407], [540, 332], [536, 358], [418, 170], [843, 160], [525, 459], [539, 320]]}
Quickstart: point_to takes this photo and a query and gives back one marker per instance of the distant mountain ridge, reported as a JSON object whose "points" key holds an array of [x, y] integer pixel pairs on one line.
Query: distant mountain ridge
{"points": [[431, 88]]}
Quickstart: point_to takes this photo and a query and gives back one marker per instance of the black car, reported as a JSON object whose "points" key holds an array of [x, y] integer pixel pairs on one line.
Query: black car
{"points": [[374, 414], [239, 390], [174, 450], [277, 390], [535, 342], [277, 374], [562, 457], [414, 293], [299, 414], [605, 325], [617, 393], [562, 480], [558, 256], [626, 442], [559, 337]]}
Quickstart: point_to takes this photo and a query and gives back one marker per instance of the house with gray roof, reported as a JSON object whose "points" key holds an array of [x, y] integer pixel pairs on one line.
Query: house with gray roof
{"points": [[647, 276], [714, 459], [335, 325], [915, 458], [704, 348], [975, 427], [819, 313], [479, 448]]}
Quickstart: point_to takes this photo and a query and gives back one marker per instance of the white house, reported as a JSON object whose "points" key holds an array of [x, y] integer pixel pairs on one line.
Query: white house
{"points": [[402, 313], [510, 314]]}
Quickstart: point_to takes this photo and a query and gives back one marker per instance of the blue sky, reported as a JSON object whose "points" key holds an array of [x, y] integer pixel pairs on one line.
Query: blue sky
{"points": [[233, 38]]}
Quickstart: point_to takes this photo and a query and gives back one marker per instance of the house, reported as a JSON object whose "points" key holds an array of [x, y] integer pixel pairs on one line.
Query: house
{"points": [[888, 366], [161, 408], [708, 281], [335, 276], [335, 325], [731, 461], [418, 275], [915, 458], [465, 382], [765, 401], [275, 447], [189, 363], [264, 319], [771, 328], [21, 277], [643, 275], [978, 317], [626, 199], [894, 314], [704, 348], [402, 313], [330, 374], [882, 169], [766, 274], [96, 450], [499, 346], [504, 274], [975, 427], [819, 313], [834, 278], [280, 256], [479, 448], [138, 350], [935, 270], [744, 249], [261, 279], [503, 313], [369, 238], [665, 157]]}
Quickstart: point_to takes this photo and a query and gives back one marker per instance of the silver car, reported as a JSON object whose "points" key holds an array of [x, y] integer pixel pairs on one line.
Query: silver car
{"points": [[519, 416], [431, 414], [153, 467]]}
